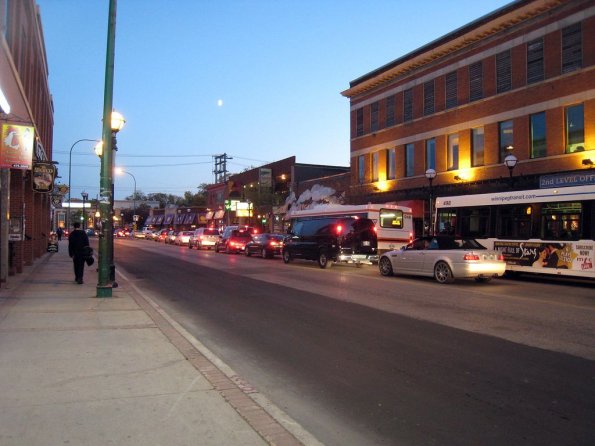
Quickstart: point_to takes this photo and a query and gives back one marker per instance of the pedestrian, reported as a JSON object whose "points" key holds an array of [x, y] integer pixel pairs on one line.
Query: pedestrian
{"points": [[77, 242], [59, 232]]}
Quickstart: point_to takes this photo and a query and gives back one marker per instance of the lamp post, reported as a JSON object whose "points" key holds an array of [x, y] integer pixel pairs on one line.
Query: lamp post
{"points": [[430, 175], [120, 171], [510, 161], [85, 196], [69, 177]]}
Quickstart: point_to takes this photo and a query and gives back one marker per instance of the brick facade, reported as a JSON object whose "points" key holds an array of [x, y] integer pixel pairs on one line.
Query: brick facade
{"points": [[511, 28]]}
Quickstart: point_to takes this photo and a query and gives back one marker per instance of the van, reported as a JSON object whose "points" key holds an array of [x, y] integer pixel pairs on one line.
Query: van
{"points": [[332, 239]]}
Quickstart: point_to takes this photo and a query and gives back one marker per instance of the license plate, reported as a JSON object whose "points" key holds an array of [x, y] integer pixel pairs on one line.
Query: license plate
{"points": [[366, 243]]}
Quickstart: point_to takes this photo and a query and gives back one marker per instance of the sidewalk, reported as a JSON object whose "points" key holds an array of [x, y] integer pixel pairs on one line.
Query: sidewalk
{"points": [[81, 370]]}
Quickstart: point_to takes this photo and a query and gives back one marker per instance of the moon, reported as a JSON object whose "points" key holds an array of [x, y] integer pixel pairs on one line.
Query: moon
{"points": [[219, 102]]}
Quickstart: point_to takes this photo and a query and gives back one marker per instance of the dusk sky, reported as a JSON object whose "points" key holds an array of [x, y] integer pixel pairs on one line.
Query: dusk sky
{"points": [[258, 80]]}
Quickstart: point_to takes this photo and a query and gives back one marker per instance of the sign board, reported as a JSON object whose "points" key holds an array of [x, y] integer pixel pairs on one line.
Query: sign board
{"points": [[43, 177], [567, 179], [16, 146], [265, 177], [57, 201]]}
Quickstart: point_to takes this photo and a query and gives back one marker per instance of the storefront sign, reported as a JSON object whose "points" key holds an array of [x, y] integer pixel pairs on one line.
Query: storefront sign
{"points": [[265, 177], [43, 177], [16, 146], [566, 179]]}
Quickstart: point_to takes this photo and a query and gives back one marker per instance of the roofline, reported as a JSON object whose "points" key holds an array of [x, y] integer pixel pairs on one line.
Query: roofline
{"points": [[365, 82]]}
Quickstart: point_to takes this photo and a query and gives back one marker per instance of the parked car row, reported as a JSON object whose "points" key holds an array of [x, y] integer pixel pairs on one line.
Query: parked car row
{"points": [[329, 240]]}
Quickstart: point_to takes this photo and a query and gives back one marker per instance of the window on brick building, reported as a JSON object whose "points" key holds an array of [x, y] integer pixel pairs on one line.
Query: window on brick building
{"points": [[477, 147], [451, 89], [452, 156], [535, 61], [375, 161], [409, 160], [374, 109], [359, 118], [391, 164], [503, 72], [572, 48], [431, 153], [505, 132], [575, 128], [429, 97], [475, 81], [361, 169], [408, 105], [390, 111], [538, 144]]}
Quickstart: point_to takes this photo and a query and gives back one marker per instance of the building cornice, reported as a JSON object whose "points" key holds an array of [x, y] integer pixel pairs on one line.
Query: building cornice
{"points": [[496, 22]]}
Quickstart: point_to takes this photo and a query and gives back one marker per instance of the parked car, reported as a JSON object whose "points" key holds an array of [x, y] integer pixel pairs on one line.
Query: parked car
{"points": [[182, 238], [444, 258], [332, 239], [204, 238], [265, 245], [170, 238], [241, 235], [162, 235], [91, 232]]}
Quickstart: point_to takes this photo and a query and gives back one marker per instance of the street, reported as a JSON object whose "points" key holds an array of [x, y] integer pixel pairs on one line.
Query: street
{"points": [[357, 358]]}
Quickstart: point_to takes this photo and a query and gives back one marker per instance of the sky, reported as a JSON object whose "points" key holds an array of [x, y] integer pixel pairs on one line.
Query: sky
{"points": [[258, 80]]}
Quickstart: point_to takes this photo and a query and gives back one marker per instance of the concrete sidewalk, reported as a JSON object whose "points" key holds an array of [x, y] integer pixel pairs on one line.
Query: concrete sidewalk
{"points": [[79, 370]]}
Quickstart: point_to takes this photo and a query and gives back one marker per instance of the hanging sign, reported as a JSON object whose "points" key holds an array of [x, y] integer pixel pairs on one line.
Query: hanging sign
{"points": [[43, 177], [16, 146]]}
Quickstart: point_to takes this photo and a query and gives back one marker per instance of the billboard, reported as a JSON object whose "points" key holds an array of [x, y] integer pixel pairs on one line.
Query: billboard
{"points": [[16, 146], [43, 177]]}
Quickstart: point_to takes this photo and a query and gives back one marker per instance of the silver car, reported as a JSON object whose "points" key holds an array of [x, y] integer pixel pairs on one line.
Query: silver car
{"points": [[444, 258], [203, 238]]}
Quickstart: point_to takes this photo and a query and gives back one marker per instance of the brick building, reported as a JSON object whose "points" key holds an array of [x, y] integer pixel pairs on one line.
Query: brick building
{"points": [[25, 104], [519, 81]]}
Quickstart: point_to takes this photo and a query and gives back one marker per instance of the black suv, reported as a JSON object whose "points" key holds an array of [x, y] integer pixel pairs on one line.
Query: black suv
{"points": [[332, 239]]}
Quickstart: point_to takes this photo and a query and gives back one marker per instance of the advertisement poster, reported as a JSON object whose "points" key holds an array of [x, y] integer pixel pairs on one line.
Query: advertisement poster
{"points": [[43, 177], [576, 256], [16, 146]]}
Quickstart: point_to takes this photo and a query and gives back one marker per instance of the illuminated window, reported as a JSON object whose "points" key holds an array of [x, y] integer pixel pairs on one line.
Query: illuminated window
{"points": [[453, 152], [575, 129], [391, 218], [477, 147]]}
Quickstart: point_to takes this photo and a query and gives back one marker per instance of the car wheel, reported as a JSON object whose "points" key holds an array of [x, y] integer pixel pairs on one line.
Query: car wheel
{"points": [[286, 256], [483, 279], [385, 266], [323, 260], [443, 273]]}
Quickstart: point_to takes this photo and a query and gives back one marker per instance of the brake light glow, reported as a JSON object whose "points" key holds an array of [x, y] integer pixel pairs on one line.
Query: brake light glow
{"points": [[471, 257], [339, 229], [500, 256], [410, 237]]}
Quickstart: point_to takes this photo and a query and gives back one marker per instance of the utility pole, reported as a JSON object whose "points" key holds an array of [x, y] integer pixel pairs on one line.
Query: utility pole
{"points": [[220, 169]]}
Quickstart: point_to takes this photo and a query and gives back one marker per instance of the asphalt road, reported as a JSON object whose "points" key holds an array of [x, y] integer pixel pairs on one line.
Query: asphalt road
{"points": [[361, 359]]}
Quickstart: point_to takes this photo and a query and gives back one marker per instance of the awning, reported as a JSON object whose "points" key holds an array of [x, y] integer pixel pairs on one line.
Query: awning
{"points": [[159, 219], [180, 219], [149, 220], [189, 219], [219, 214], [168, 219], [209, 215]]}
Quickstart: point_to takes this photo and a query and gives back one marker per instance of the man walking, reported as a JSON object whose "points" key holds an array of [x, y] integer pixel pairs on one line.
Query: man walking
{"points": [[77, 241], [59, 233]]}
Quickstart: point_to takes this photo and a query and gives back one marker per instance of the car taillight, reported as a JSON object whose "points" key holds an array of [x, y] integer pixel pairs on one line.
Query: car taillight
{"points": [[274, 243], [500, 256], [471, 257], [339, 229], [410, 237], [201, 237], [375, 229]]}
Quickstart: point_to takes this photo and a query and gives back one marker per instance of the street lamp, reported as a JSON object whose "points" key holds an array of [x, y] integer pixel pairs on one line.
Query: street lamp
{"points": [[85, 196], [510, 162], [430, 175], [120, 171], [106, 266], [69, 176]]}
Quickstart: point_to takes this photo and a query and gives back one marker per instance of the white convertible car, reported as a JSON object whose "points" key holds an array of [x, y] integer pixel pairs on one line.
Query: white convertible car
{"points": [[444, 258]]}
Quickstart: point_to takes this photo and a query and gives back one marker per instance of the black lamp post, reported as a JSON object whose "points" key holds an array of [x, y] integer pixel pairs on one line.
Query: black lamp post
{"points": [[510, 162], [430, 175], [85, 196]]}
